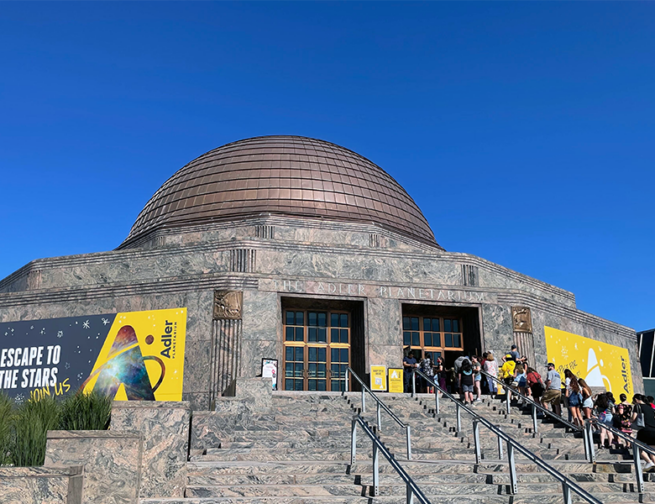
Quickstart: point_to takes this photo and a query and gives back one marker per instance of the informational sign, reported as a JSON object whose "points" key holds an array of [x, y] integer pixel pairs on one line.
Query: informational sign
{"points": [[127, 356], [396, 381], [269, 370], [378, 378], [599, 364]]}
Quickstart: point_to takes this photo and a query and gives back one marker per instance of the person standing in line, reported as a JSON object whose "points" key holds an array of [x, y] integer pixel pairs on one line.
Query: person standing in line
{"points": [[605, 417], [491, 368], [426, 369], [507, 370], [624, 414], [587, 402], [409, 365], [466, 380], [520, 380], [440, 373], [535, 385], [475, 364], [515, 353], [574, 395], [646, 434], [553, 394], [567, 385]]}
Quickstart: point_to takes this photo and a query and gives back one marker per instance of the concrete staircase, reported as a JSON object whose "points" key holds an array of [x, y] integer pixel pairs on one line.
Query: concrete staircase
{"points": [[300, 453]]}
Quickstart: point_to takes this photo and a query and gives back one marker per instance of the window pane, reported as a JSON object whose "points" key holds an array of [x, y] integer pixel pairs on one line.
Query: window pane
{"points": [[446, 325], [449, 340], [311, 385], [288, 384], [334, 319], [322, 357], [322, 319], [299, 354], [458, 340], [416, 340], [414, 323], [300, 317], [290, 318], [311, 334], [436, 339], [313, 354], [311, 370], [321, 385], [426, 324], [288, 370], [322, 370], [300, 333], [288, 354], [344, 355], [407, 338], [298, 384], [406, 325], [289, 334], [427, 339], [455, 325], [435, 325], [337, 385], [297, 370], [322, 334], [344, 320], [335, 355], [334, 335], [344, 335], [312, 318]]}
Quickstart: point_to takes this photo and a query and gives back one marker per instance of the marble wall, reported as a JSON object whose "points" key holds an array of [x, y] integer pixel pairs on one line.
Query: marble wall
{"points": [[41, 485]]}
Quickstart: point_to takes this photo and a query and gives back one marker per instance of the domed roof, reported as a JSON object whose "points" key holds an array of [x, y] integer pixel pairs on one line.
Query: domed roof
{"points": [[283, 175]]}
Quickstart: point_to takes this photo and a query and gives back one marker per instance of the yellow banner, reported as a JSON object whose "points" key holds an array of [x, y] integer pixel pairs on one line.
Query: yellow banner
{"points": [[396, 381], [142, 357], [378, 378], [599, 364]]}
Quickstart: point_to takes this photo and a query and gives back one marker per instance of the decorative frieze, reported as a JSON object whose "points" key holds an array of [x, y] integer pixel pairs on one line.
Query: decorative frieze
{"points": [[263, 231], [470, 275], [522, 319], [228, 305], [243, 260]]}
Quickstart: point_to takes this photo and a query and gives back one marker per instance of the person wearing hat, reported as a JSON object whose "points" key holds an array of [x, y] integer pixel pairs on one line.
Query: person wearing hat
{"points": [[507, 371], [553, 394]]}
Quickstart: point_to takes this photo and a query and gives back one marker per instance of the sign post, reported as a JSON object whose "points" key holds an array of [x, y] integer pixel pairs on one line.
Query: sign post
{"points": [[396, 381]]}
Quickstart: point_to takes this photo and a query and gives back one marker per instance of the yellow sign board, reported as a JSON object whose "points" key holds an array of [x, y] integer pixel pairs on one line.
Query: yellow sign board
{"points": [[379, 378], [142, 357], [396, 381], [599, 364]]}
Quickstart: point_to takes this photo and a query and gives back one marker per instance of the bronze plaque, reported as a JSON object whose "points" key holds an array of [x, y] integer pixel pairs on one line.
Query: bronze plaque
{"points": [[522, 319], [227, 305]]}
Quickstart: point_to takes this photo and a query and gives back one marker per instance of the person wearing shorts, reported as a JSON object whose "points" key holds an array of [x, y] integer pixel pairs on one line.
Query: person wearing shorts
{"points": [[553, 394], [477, 367], [466, 381], [647, 434]]}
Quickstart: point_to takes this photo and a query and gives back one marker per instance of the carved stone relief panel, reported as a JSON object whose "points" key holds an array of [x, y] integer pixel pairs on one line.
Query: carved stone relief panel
{"points": [[228, 305], [522, 319]]}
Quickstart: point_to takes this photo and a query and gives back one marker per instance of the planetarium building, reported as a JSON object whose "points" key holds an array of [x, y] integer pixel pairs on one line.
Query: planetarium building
{"points": [[284, 249]]}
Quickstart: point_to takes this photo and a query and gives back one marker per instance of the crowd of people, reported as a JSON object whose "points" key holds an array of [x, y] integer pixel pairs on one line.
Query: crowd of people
{"points": [[634, 419]]}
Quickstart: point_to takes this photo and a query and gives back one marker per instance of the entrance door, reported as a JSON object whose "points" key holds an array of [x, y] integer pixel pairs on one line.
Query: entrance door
{"points": [[432, 335], [316, 349]]}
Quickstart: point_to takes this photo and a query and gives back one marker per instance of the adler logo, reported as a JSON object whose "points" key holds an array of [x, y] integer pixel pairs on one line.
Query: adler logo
{"points": [[624, 375], [168, 339]]}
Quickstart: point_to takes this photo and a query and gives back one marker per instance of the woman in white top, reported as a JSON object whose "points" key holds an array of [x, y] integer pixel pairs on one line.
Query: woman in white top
{"points": [[491, 367]]}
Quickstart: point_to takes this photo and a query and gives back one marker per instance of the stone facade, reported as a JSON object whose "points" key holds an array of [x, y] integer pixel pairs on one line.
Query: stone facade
{"points": [[184, 267], [41, 485]]}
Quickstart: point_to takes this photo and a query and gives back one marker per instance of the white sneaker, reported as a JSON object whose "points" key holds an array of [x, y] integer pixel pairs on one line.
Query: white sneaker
{"points": [[478, 400], [648, 467]]}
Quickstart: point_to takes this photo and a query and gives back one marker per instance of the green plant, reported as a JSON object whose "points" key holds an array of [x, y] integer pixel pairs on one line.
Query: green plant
{"points": [[6, 422], [85, 412], [30, 428]]}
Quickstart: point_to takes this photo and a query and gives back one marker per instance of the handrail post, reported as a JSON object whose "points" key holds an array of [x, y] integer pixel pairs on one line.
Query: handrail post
{"points": [[379, 416], [436, 400], [413, 383], [508, 400], [590, 442], [410, 494], [346, 389], [534, 418], [512, 468], [566, 492], [363, 400], [376, 473], [500, 446], [459, 417], [476, 439], [638, 469], [408, 435], [353, 444]]}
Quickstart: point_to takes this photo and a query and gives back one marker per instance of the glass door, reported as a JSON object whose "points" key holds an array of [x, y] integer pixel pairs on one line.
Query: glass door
{"points": [[316, 350]]}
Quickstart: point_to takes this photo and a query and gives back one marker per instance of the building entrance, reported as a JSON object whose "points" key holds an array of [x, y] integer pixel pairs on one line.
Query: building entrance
{"points": [[316, 349]]}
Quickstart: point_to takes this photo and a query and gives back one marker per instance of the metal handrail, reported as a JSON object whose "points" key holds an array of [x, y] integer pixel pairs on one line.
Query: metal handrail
{"points": [[378, 446], [535, 405], [380, 406], [568, 485], [637, 447]]}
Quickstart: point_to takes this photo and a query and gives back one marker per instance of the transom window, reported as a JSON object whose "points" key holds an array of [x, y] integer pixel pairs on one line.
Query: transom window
{"points": [[432, 335]]}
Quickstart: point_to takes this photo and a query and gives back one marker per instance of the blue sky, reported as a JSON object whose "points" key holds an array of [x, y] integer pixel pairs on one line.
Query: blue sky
{"points": [[524, 131]]}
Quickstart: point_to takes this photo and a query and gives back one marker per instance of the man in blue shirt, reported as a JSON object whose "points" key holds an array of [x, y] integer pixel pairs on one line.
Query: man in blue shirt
{"points": [[409, 364]]}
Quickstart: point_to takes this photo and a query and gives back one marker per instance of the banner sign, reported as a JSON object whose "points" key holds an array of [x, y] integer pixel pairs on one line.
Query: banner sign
{"points": [[269, 370], [396, 381], [127, 356], [379, 378], [599, 364]]}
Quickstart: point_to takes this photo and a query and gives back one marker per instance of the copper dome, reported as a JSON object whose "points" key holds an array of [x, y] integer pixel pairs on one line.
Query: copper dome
{"points": [[282, 175]]}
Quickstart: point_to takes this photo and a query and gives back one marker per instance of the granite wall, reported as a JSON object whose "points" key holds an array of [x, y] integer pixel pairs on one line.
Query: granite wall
{"points": [[41, 485]]}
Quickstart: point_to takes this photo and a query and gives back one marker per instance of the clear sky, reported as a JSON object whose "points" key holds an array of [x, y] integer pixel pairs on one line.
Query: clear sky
{"points": [[525, 131]]}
